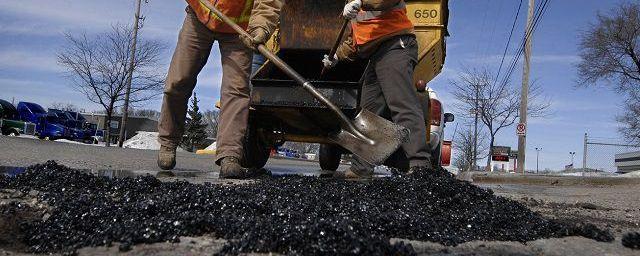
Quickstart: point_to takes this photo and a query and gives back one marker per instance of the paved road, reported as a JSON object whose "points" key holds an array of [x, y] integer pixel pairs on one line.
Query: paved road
{"points": [[608, 206], [22, 152]]}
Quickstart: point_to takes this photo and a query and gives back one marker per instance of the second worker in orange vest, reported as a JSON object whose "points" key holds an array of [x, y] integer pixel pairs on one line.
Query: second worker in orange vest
{"points": [[382, 33], [199, 31]]}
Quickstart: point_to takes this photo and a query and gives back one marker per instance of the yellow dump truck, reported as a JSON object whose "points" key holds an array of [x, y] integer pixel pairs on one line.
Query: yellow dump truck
{"points": [[283, 111]]}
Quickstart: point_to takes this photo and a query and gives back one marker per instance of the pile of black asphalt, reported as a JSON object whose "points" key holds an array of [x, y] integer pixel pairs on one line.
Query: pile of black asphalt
{"points": [[631, 240], [289, 215]]}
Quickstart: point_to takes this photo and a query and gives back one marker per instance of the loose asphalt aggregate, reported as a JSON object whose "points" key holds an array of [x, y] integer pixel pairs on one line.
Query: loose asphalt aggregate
{"points": [[289, 215]]}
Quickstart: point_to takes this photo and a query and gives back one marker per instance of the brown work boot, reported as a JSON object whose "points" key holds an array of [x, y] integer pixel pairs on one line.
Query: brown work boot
{"points": [[167, 158], [352, 174], [230, 168]]}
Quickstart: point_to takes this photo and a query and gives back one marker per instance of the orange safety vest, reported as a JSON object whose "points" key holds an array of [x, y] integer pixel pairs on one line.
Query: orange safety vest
{"points": [[371, 25], [237, 10]]}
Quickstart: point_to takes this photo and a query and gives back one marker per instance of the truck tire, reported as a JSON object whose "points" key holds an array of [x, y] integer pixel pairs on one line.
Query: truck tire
{"points": [[329, 157], [255, 148]]}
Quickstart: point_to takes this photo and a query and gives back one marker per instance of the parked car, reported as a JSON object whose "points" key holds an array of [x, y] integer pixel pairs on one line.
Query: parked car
{"points": [[10, 123], [47, 126]]}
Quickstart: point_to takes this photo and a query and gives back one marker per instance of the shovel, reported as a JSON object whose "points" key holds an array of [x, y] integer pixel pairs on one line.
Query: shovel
{"points": [[334, 49], [368, 136]]}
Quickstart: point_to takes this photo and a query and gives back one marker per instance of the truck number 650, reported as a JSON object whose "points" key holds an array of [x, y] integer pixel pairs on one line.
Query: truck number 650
{"points": [[426, 14]]}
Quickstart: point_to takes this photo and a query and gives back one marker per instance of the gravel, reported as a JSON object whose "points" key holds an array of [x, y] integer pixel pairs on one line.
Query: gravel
{"points": [[289, 215], [631, 240]]}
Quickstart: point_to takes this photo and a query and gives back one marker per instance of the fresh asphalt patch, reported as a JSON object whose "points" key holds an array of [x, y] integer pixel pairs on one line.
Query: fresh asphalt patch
{"points": [[288, 215]]}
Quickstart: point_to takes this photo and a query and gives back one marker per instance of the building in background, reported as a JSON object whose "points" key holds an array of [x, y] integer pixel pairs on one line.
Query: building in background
{"points": [[134, 124]]}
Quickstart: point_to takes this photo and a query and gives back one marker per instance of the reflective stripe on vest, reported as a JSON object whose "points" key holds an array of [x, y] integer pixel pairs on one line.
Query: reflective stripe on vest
{"points": [[238, 11], [368, 15], [371, 25]]}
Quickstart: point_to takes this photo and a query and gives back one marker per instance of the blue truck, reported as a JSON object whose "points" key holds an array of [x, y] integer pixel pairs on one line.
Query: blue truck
{"points": [[75, 127], [47, 126], [85, 130]]}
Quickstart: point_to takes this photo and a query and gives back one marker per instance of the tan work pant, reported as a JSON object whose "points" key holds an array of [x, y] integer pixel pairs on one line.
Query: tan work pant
{"points": [[194, 46]]}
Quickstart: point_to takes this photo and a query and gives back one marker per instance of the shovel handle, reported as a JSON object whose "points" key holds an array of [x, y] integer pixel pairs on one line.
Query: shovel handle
{"points": [[334, 49], [344, 120]]}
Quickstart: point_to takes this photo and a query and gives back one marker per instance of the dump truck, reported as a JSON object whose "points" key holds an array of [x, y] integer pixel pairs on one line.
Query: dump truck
{"points": [[10, 123], [281, 110]]}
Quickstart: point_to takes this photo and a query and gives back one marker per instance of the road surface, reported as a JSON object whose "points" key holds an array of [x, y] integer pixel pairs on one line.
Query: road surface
{"points": [[608, 203]]}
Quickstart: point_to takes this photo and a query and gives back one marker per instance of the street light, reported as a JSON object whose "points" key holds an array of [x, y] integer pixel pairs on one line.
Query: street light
{"points": [[572, 154], [537, 158]]}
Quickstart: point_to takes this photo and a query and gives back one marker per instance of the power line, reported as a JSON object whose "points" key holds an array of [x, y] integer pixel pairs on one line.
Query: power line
{"points": [[520, 51], [540, 11], [506, 48]]}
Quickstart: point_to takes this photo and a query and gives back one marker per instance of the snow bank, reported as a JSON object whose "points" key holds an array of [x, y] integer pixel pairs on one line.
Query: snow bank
{"points": [[635, 174], [143, 140], [212, 146], [68, 141]]}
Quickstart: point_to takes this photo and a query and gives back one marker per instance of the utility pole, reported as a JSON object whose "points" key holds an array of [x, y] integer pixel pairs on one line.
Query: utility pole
{"points": [[537, 159], [524, 97], [584, 153], [134, 41], [475, 132]]}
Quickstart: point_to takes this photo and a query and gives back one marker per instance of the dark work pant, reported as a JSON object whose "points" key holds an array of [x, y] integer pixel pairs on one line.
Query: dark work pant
{"points": [[192, 51], [388, 91]]}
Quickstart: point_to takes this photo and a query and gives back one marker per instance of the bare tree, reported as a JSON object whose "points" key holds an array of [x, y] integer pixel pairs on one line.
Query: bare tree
{"points": [[497, 104], [610, 52], [211, 117], [631, 119], [98, 68], [64, 106], [464, 145], [610, 49], [148, 113]]}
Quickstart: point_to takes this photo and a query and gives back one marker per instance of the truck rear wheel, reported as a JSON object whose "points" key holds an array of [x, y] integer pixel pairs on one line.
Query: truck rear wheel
{"points": [[255, 148], [330, 156]]}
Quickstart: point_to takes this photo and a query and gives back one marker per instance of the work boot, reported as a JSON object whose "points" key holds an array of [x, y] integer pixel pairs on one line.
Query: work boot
{"points": [[352, 174], [230, 168], [167, 158]]}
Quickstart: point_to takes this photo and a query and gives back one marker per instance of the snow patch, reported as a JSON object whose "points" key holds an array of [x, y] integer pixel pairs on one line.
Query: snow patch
{"points": [[212, 146], [635, 174], [143, 140]]}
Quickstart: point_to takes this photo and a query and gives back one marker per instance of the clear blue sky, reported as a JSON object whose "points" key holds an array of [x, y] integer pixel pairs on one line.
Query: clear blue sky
{"points": [[32, 34]]}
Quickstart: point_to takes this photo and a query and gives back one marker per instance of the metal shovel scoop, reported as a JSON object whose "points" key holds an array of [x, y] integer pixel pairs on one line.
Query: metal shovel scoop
{"points": [[369, 136]]}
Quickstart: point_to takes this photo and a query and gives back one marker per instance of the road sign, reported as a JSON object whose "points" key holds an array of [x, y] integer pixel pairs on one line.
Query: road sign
{"points": [[521, 129]]}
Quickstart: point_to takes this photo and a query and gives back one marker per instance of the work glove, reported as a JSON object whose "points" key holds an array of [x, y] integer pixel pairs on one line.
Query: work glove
{"points": [[258, 36], [330, 63], [351, 9]]}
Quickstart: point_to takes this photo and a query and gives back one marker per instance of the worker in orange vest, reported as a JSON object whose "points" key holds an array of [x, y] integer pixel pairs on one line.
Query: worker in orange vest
{"points": [[382, 33], [200, 30]]}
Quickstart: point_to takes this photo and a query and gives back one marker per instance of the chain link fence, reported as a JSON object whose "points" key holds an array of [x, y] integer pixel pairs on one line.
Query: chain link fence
{"points": [[600, 153]]}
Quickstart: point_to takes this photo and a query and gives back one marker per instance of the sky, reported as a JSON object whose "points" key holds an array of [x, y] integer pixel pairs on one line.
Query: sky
{"points": [[32, 33]]}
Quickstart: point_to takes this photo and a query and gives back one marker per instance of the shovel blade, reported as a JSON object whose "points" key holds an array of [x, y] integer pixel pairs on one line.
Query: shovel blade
{"points": [[384, 137]]}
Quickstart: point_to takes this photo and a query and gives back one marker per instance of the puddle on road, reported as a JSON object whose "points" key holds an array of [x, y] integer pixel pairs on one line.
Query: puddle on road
{"points": [[11, 171]]}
